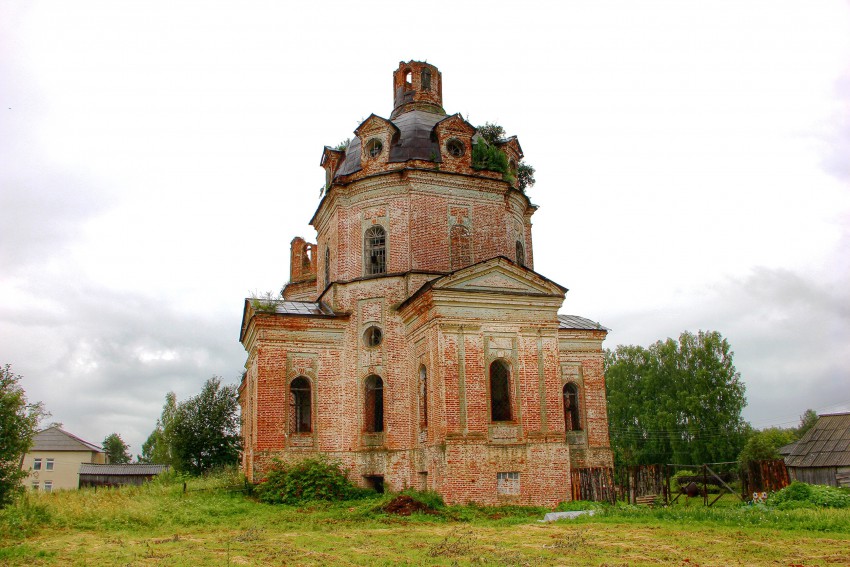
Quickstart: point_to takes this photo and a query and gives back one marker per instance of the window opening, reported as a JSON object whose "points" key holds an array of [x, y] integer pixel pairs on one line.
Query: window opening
{"points": [[500, 395], [507, 483], [374, 410], [374, 147], [48, 486], [373, 336], [455, 148], [327, 265], [35, 485], [301, 405], [461, 247], [376, 250], [375, 482], [36, 464], [520, 253], [426, 79], [423, 397], [408, 78], [48, 465], [572, 418]]}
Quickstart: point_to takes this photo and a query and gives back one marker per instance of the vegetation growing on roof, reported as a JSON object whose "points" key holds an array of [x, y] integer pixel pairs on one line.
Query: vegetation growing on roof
{"points": [[490, 157]]}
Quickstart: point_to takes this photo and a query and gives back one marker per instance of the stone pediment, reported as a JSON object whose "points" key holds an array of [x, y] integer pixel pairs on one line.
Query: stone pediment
{"points": [[499, 275]]}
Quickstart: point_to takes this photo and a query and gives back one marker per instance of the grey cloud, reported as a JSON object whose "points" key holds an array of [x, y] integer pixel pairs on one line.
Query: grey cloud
{"points": [[790, 333]]}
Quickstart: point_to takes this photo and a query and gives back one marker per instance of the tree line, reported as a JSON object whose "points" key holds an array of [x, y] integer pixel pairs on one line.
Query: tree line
{"points": [[680, 401]]}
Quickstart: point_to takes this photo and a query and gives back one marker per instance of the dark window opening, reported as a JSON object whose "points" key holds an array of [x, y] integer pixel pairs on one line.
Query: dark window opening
{"points": [[327, 265], [500, 391], [374, 147], [300, 403], [572, 418], [455, 148], [373, 415], [373, 336], [375, 482], [426, 79], [520, 253], [376, 250], [423, 397], [461, 247]]}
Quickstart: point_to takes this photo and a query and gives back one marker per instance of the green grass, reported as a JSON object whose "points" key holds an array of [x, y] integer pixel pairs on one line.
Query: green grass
{"points": [[159, 524]]}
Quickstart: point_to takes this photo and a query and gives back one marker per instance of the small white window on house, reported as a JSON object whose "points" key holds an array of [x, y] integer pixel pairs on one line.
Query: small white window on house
{"points": [[48, 465], [36, 464], [48, 486], [507, 483], [34, 485]]}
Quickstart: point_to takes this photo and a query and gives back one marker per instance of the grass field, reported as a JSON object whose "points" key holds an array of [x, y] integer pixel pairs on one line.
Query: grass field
{"points": [[160, 525]]}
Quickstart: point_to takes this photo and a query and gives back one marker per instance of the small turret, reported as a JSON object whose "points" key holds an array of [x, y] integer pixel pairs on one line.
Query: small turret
{"points": [[417, 86]]}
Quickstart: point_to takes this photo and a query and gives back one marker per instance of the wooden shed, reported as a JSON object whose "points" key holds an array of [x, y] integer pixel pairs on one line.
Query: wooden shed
{"points": [[118, 475], [822, 455]]}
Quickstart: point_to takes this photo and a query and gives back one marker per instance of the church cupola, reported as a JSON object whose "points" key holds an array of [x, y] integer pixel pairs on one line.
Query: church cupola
{"points": [[417, 86]]}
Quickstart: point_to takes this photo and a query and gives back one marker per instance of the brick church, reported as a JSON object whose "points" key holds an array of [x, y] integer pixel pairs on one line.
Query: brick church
{"points": [[415, 343]]}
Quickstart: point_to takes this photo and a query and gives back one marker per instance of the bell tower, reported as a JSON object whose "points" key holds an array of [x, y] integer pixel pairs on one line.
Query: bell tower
{"points": [[417, 86]]}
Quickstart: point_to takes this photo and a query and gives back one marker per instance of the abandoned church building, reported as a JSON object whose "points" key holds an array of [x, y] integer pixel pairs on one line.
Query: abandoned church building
{"points": [[415, 343]]}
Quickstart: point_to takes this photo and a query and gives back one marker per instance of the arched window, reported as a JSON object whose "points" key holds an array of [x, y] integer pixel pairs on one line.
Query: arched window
{"points": [[572, 419], [408, 77], [375, 248], [520, 253], [426, 79], [300, 404], [327, 265], [461, 247], [423, 397], [500, 391], [373, 414]]}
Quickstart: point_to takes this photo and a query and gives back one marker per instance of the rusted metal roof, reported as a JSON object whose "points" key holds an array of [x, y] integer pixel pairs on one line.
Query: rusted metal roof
{"points": [[56, 439], [302, 308], [826, 444], [413, 141], [123, 470], [576, 322]]}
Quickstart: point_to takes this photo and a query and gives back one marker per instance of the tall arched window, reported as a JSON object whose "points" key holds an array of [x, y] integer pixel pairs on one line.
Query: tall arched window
{"points": [[426, 79], [300, 404], [461, 247], [373, 414], [572, 417], [423, 397], [375, 248], [520, 253], [500, 391], [327, 265]]}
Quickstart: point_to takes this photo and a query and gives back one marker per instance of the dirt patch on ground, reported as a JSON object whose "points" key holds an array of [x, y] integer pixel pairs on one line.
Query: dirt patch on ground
{"points": [[403, 505]]}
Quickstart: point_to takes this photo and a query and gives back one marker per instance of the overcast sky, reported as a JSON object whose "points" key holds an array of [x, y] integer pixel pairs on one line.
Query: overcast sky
{"points": [[156, 159]]}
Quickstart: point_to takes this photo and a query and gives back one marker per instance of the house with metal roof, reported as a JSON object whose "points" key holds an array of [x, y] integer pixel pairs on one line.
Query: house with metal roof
{"points": [[822, 455], [54, 460]]}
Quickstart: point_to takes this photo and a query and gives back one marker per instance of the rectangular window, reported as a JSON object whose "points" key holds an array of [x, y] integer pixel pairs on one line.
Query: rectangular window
{"points": [[35, 485], [36, 464], [507, 483], [48, 485], [48, 466]]}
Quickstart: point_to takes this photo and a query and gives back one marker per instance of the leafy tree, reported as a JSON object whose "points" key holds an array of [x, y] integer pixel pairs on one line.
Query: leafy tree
{"points": [[116, 450], [205, 429], [807, 421], [491, 132], [18, 422], [764, 444], [678, 401], [158, 448]]}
